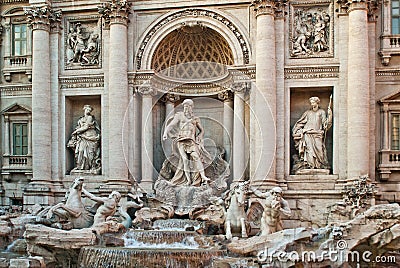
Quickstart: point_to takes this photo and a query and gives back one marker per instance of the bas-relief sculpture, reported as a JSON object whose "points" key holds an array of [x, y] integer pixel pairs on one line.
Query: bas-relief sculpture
{"points": [[309, 135], [190, 176], [85, 141], [82, 45], [310, 32]]}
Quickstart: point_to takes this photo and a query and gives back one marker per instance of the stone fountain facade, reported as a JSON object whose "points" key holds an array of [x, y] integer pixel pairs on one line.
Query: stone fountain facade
{"points": [[252, 69]]}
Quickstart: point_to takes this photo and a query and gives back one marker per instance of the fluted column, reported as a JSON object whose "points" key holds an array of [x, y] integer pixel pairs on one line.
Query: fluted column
{"points": [[147, 93], [116, 14], [170, 100], [239, 133], [39, 191], [358, 91], [263, 97]]}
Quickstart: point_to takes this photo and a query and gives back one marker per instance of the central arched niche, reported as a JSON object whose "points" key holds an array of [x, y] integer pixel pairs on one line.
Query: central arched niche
{"points": [[197, 57], [192, 52]]}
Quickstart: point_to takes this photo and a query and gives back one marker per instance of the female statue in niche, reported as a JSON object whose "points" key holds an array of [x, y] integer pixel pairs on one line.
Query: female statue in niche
{"points": [[309, 133], [85, 140]]}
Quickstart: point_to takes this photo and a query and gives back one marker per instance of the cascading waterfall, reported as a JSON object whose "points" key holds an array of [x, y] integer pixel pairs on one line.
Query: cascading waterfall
{"points": [[168, 246], [97, 257]]}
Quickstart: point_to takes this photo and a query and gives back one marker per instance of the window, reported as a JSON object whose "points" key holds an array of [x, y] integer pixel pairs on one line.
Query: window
{"points": [[20, 139], [19, 39], [395, 16]]}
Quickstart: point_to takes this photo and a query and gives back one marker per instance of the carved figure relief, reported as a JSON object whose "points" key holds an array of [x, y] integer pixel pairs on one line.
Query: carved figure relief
{"points": [[85, 141], [311, 31], [309, 134], [82, 44]]}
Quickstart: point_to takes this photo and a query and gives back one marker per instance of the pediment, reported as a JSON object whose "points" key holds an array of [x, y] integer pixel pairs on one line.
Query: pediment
{"points": [[16, 109]]}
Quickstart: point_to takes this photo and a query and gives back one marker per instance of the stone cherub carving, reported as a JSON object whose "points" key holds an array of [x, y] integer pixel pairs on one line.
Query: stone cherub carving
{"points": [[274, 206], [309, 134], [85, 140]]}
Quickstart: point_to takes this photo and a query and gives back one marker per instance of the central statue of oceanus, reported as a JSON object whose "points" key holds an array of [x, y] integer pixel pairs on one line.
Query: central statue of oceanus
{"points": [[190, 176]]}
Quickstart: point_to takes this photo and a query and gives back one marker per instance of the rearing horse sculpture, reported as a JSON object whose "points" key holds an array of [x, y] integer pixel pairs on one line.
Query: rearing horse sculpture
{"points": [[72, 210], [235, 214]]}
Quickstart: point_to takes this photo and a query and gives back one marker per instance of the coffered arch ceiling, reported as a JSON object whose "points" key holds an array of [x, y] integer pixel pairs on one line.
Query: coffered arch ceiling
{"points": [[192, 52]]}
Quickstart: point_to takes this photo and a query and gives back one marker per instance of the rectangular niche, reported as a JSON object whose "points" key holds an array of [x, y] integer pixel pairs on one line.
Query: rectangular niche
{"points": [[311, 27], [74, 110], [299, 104], [82, 42]]}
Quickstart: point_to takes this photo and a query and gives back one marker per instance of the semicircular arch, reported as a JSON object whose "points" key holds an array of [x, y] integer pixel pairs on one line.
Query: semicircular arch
{"points": [[215, 20]]}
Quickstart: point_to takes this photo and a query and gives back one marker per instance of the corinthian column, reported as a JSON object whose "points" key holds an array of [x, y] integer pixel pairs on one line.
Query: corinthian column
{"points": [[263, 97], [116, 14], [40, 190], [239, 133], [358, 90], [147, 93]]}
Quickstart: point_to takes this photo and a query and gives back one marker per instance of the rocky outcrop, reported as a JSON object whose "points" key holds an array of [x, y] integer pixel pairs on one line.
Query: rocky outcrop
{"points": [[377, 231], [55, 245]]}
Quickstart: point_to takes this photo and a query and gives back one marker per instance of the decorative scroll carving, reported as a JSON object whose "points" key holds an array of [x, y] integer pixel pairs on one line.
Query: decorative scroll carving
{"points": [[269, 7], [311, 30], [240, 87], [171, 98], [196, 13], [40, 17], [146, 90], [225, 95], [83, 43], [115, 11]]}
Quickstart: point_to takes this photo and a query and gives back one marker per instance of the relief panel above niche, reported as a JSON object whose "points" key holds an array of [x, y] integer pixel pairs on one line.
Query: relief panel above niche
{"points": [[311, 29], [82, 42]]}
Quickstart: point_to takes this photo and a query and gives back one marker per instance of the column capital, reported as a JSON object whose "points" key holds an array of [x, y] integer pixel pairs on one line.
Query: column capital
{"points": [[240, 87], [351, 5], [268, 7], [115, 12], [40, 17], [171, 98], [146, 90], [225, 96]]}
